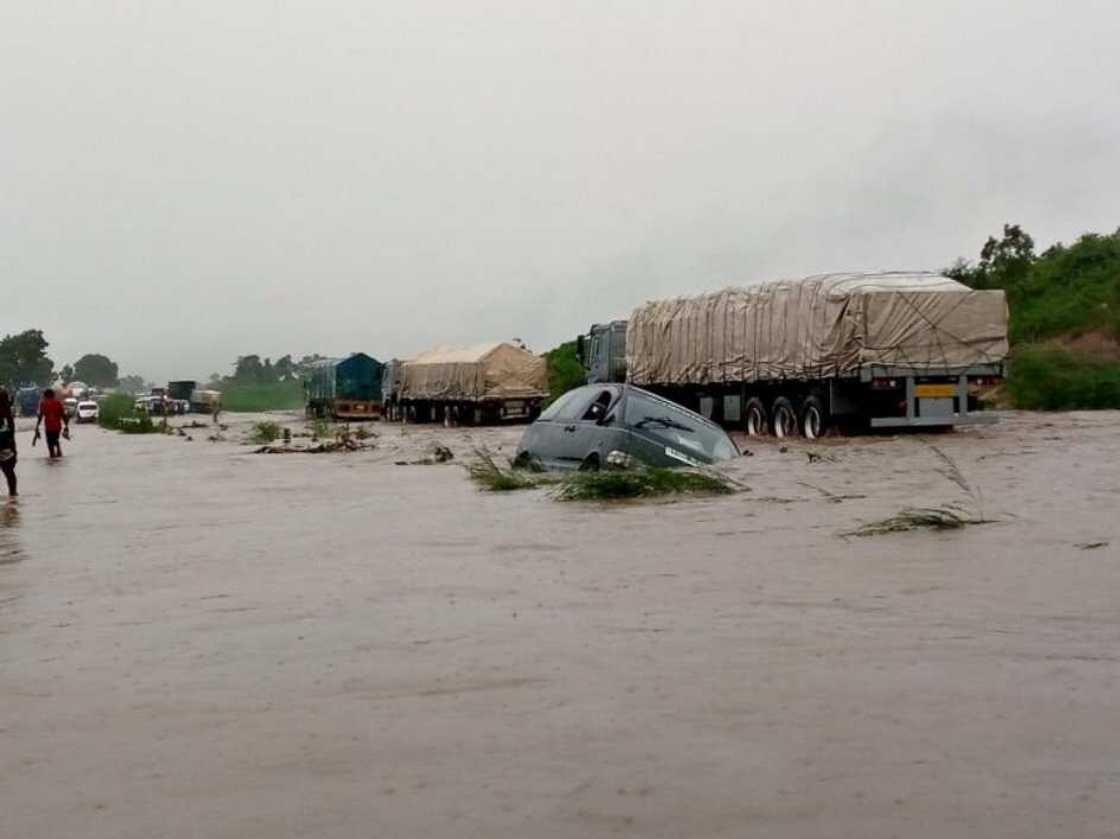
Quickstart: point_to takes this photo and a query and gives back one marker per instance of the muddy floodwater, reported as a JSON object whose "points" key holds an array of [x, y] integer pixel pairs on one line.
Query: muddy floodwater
{"points": [[200, 641]]}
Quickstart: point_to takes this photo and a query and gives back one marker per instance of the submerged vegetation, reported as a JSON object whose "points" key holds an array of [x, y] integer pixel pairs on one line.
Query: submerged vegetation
{"points": [[1065, 317], [942, 517], [266, 431], [489, 475], [606, 485]]}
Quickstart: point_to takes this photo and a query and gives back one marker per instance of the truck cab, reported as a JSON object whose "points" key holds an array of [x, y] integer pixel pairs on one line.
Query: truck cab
{"points": [[602, 352]]}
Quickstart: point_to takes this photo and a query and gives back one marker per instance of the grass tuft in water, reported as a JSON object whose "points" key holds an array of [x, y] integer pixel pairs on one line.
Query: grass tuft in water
{"points": [[949, 517], [641, 482], [486, 472]]}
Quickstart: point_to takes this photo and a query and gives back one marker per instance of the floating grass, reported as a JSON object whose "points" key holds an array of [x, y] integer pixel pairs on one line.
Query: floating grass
{"points": [[949, 517]]}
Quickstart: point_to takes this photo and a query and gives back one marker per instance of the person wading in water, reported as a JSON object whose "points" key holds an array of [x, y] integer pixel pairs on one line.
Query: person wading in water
{"points": [[8, 442], [51, 410]]}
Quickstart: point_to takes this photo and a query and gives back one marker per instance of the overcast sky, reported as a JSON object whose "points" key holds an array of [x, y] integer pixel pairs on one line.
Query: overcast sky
{"points": [[185, 182]]}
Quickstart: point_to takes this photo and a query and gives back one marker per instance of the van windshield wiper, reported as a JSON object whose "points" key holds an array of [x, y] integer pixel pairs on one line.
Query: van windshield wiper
{"points": [[665, 422]]}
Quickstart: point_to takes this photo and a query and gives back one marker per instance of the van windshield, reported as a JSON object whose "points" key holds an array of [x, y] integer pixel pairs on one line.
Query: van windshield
{"points": [[678, 428]]}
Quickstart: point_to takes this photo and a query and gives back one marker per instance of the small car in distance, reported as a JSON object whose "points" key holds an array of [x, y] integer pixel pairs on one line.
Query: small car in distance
{"points": [[86, 411], [594, 425]]}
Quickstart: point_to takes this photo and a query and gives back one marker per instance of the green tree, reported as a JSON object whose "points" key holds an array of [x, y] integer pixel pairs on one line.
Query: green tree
{"points": [[67, 373], [23, 359], [132, 384], [564, 370], [97, 370], [1004, 263], [248, 369]]}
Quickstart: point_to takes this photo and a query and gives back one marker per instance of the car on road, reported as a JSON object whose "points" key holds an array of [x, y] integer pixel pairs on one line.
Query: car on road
{"points": [[600, 424], [86, 411]]}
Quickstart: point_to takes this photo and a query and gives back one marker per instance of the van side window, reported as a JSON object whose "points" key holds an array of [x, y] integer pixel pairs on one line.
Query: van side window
{"points": [[599, 406]]}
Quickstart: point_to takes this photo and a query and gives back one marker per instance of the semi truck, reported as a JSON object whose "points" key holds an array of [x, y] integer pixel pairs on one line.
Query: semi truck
{"points": [[484, 383], [796, 357], [344, 388]]}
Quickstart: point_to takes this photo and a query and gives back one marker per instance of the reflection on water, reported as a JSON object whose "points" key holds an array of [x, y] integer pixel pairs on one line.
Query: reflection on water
{"points": [[10, 550]]}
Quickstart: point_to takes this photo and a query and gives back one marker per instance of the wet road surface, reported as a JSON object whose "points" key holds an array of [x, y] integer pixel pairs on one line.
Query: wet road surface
{"points": [[199, 641]]}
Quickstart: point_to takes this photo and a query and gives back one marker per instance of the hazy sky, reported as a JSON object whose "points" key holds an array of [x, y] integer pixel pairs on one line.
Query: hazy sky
{"points": [[185, 182]]}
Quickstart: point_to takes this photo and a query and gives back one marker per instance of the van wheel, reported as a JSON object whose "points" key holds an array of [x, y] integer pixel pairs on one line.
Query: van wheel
{"points": [[783, 418], [590, 463], [814, 419], [756, 417]]}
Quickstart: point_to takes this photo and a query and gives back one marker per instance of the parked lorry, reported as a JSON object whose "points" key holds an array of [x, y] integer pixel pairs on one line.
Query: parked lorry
{"points": [[888, 350], [480, 384], [28, 400], [344, 388]]}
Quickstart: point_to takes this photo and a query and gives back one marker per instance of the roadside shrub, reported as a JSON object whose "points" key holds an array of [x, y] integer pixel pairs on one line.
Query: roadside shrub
{"points": [[266, 431], [1053, 378], [114, 408]]}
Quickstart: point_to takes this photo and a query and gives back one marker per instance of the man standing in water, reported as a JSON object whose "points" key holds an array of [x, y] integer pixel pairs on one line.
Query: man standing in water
{"points": [[51, 410], [8, 443]]}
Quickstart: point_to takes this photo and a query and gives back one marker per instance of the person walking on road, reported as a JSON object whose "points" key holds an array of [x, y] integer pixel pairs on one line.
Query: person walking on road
{"points": [[8, 442], [53, 416]]}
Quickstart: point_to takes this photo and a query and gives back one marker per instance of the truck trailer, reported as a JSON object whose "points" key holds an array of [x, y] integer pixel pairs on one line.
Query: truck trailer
{"points": [[344, 388], [480, 384], [886, 350]]}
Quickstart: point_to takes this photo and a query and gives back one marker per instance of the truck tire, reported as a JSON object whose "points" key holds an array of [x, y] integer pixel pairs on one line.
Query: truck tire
{"points": [[755, 415], [783, 419], [590, 463], [814, 418]]}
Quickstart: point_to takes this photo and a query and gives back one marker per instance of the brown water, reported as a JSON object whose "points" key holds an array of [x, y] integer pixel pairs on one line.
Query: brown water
{"points": [[200, 641]]}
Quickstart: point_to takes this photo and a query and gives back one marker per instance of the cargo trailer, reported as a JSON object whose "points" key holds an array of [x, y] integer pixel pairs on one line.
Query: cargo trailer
{"points": [[480, 384], [887, 350], [345, 389]]}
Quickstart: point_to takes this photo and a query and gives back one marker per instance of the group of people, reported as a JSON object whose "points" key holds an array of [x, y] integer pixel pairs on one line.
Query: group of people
{"points": [[53, 419]]}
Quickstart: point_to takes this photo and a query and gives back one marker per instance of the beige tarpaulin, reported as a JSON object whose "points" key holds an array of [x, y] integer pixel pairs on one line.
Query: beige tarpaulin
{"points": [[485, 371], [822, 326]]}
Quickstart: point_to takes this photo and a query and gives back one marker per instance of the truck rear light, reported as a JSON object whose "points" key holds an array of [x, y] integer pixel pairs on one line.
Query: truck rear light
{"points": [[884, 384]]}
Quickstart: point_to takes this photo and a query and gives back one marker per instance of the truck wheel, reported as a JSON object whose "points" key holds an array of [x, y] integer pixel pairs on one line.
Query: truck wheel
{"points": [[783, 418], [590, 463], [814, 420], [756, 417]]}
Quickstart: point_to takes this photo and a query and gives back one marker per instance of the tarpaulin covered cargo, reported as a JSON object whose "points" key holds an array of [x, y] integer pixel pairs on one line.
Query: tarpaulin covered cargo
{"points": [[356, 378], [818, 327], [485, 371]]}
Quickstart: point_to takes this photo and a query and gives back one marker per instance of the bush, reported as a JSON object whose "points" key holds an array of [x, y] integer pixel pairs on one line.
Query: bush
{"points": [[114, 408], [1053, 378], [266, 432], [278, 396]]}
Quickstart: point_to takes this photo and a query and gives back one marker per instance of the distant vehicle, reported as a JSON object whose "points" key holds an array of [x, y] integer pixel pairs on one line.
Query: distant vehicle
{"points": [[204, 401], [28, 400], [889, 350], [344, 388], [596, 425], [86, 411], [151, 405], [70, 405], [496, 382]]}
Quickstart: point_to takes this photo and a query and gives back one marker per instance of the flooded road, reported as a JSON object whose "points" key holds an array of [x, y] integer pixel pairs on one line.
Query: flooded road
{"points": [[196, 640]]}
